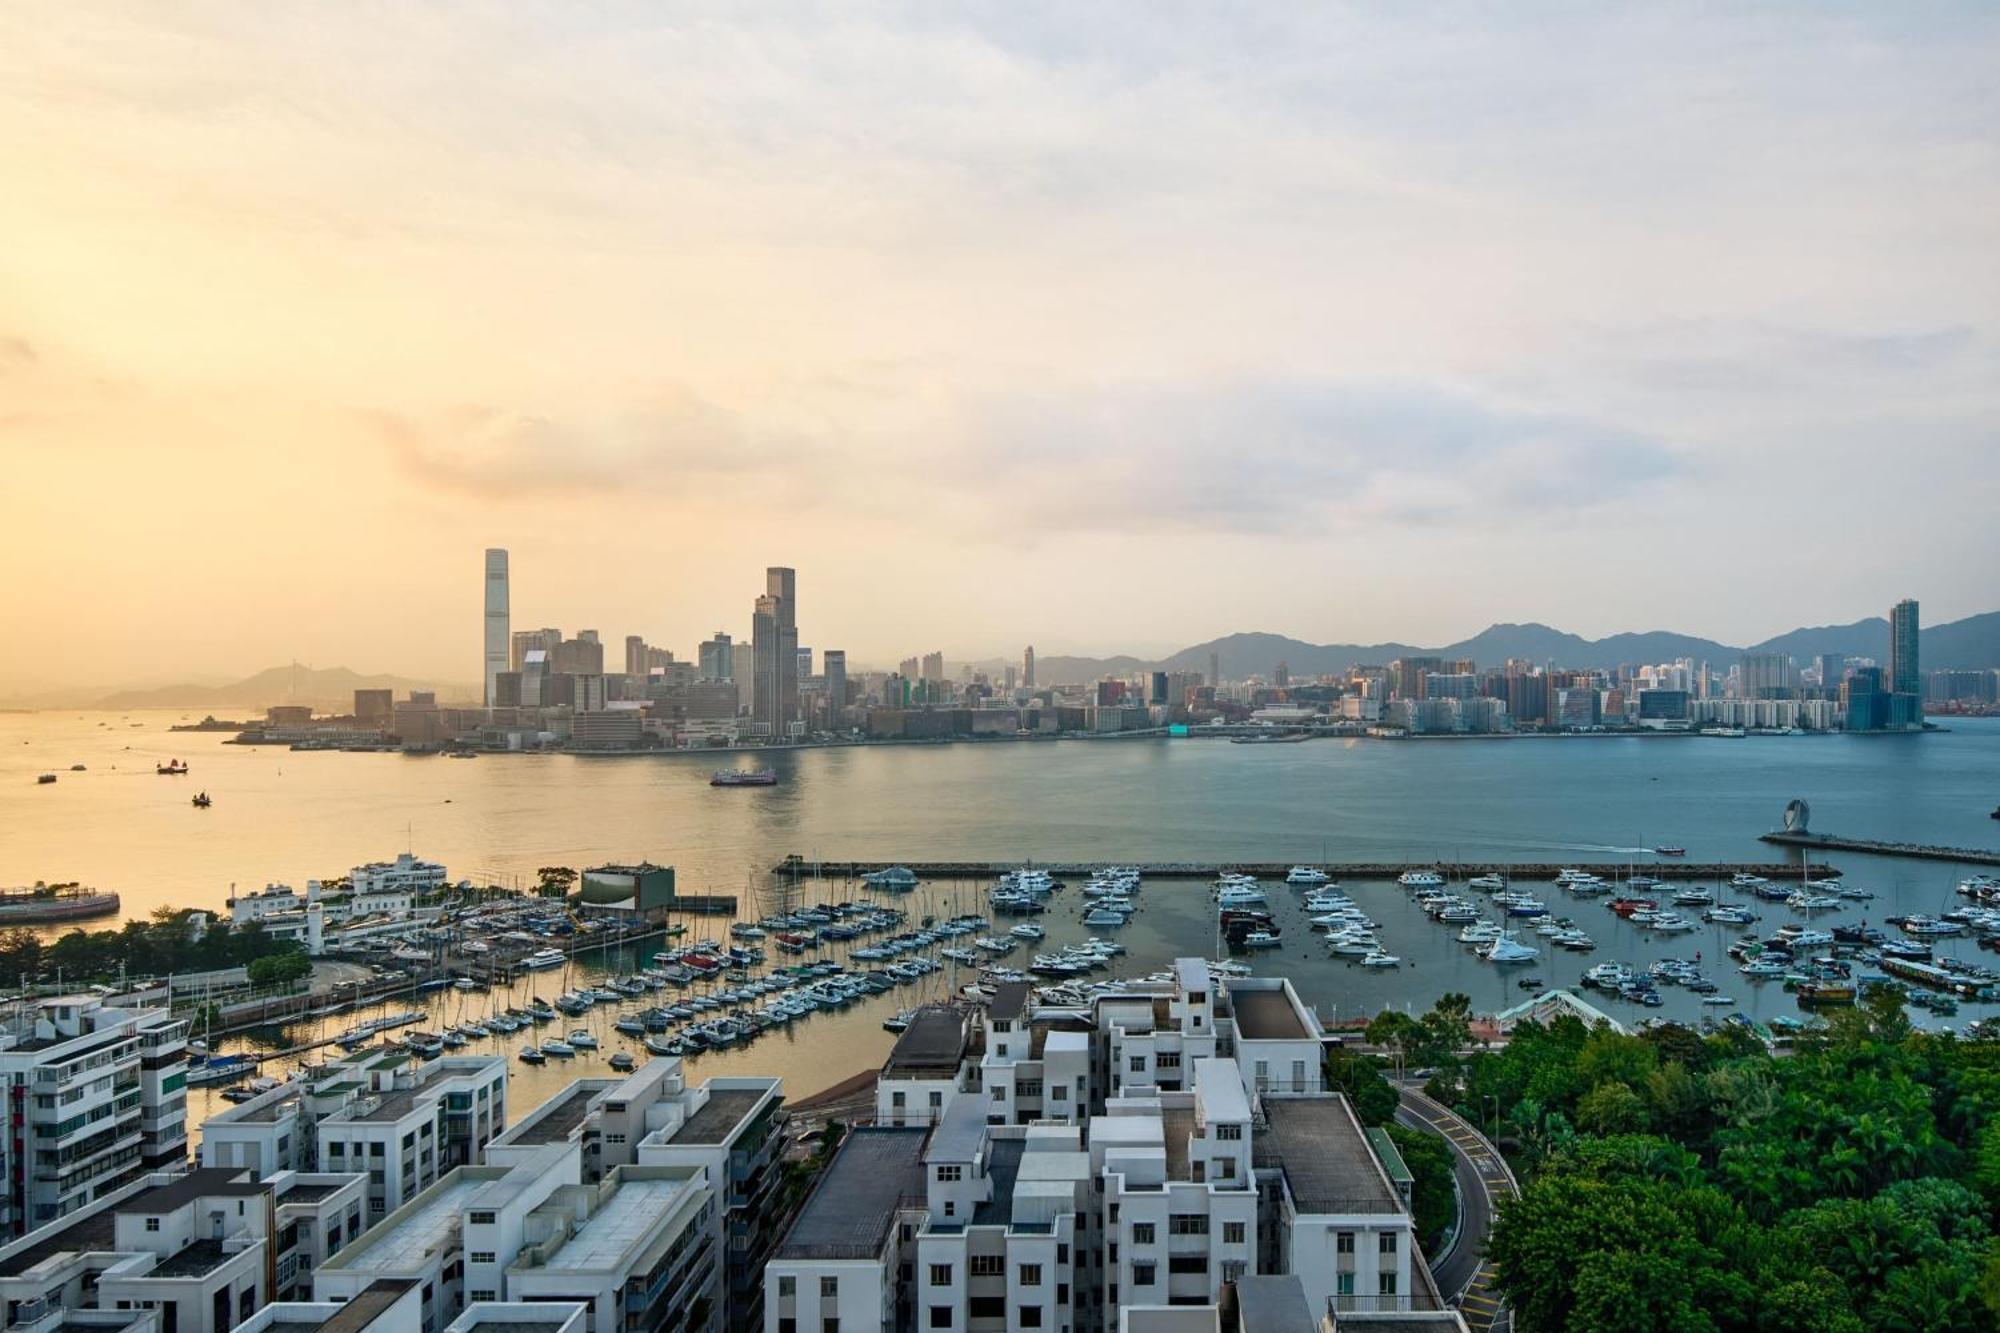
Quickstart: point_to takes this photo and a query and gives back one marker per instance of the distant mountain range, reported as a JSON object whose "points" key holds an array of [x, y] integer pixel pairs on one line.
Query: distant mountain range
{"points": [[330, 689], [1969, 644]]}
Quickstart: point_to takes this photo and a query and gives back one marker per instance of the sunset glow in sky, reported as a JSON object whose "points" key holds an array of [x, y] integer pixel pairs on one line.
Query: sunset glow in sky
{"points": [[1104, 328]]}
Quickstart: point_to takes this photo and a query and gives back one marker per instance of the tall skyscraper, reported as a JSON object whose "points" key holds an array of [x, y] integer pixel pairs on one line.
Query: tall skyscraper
{"points": [[764, 665], [1767, 676], [528, 640], [833, 663], [497, 620], [782, 584], [933, 666], [1904, 675], [718, 658], [1028, 667], [1832, 667], [635, 655]]}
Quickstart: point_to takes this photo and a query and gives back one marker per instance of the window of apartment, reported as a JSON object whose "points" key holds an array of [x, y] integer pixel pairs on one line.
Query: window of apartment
{"points": [[1167, 1060], [482, 1295], [1187, 1263], [1298, 1075], [987, 1307], [830, 1324], [937, 1100], [1031, 1275], [1387, 1243], [947, 1174], [152, 1224], [940, 1316], [940, 1275], [1389, 1283], [988, 1265], [376, 1149], [1232, 1233], [787, 1324], [1062, 1251], [336, 1149], [1143, 1274], [481, 1217], [1058, 1093], [481, 1256], [1343, 1284], [1343, 1242], [896, 1100], [1138, 1064], [1187, 1224], [614, 1138], [1000, 1049], [829, 1288], [1229, 1133], [1031, 1316], [1142, 1233], [788, 1287], [1225, 1168], [410, 1139], [1030, 1087], [1000, 1092]]}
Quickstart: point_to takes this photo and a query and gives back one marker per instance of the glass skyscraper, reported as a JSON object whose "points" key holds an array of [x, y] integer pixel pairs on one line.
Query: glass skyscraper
{"points": [[1904, 675]]}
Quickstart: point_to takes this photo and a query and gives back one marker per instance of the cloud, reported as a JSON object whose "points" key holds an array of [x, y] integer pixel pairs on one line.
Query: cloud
{"points": [[674, 440], [1286, 455]]}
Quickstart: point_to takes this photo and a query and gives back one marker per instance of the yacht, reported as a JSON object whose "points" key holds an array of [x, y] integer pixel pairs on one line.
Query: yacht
{"points": [[582, 1040], [1698, 896], [1479, 932], [1306, 875], [542, 959], [1103, 916], [1325, 902], [1353, 944], [1420, 879], [1027, 930], [1507, 950], [1928, 925], [530, 1055], [891, 877], [1762, 967], [1261, 939], [1239, 895], [1729, 914], [1380, 959], [1487, 883]]}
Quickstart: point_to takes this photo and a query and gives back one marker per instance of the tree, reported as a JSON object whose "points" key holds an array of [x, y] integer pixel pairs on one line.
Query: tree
{"points": [[554, 881], [1433, 1182], [279, 968], [1360, 1078]]}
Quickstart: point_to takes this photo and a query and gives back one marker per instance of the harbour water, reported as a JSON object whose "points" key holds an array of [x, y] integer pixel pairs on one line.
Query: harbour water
{"points": [[289, 816]]}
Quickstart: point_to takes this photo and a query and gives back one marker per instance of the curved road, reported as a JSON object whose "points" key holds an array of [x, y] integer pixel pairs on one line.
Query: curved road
{"points": [[1462, 1272]]}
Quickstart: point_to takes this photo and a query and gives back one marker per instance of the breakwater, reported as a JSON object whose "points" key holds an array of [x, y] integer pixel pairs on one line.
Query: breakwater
{"points": [[796, 867], [1827, 842]]}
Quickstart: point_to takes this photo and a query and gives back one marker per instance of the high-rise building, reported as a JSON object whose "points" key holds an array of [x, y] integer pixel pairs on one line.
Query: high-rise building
{"points": [[1832, 666], [636, 663], [496, 619], [1159, 690], [1215, 669], [1768, 676], [764, 665], [718, 658], [1282, 675], [528, 640], [781, 584], [933, 666], [581, 656], [1904, 674], [1028, 667], [1407, 674], [805, 663], [834, 663]]}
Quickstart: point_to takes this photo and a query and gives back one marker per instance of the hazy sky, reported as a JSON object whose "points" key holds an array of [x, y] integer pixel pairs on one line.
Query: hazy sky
{"points": [[1106, 328]]}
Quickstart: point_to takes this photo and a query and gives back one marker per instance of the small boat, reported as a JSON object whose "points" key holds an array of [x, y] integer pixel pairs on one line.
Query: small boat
{"points": [[201, 801], [531, 1056], [1420, 879], [738, 777], [1028, 930], [1380, 959], [46, 778], [1670, 851], [900, 1021], [1306, 875], [175, 768], [623, 1062], [1261, 939], [555, 1047], [77, 768]]}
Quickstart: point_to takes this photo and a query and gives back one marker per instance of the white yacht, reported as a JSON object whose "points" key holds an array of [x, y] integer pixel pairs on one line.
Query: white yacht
{"points": [[891, 877], [1507, 949], [1306, 875], [1487, 883], [1380, 959], [1239, 895], [542, 959], [1420, 879], [1027, 930]]}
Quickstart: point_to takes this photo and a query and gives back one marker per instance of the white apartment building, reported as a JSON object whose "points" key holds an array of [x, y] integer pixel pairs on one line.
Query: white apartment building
{"points": [[400, 1122], [1195, 1151], [271, 900], [198, 1250], [392, 887], [634, 1249], [98, 1093]]}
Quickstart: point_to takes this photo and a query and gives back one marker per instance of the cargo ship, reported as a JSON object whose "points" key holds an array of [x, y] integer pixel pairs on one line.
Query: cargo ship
{"points": [[738, 777], [59, 902]]}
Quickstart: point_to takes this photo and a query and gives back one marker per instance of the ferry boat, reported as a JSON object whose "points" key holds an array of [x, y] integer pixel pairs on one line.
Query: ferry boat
{"points": [[173, 768], [542, 959], [739, 777], [43, 903]]}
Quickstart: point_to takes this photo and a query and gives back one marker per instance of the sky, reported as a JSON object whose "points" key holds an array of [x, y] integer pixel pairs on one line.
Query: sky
{"points": [[1106, 328]]}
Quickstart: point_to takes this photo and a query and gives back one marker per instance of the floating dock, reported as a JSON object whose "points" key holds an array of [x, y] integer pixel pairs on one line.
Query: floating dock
{"points": [[1827, 842], [797, 867]]}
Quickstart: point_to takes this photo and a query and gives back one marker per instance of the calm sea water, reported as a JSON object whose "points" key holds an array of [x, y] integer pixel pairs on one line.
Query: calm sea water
{"points": [[280, 815]]}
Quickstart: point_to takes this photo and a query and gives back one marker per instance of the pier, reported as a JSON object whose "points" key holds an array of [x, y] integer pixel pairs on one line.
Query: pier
{"points": [[1827, 842], [797, 867]]}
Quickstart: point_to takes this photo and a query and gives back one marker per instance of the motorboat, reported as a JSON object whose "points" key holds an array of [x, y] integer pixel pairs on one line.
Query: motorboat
{"points": [[623, 1062], [1697, 896], [900, 878], [1507, 950], [1306, 875], [1325, 902], [1027, 930], [1352, 945], [1479, 932], [1103, 916], [1420, 879], [582, 1040], [1261, 939], [1729, 914], [1759, 968], [532, 1056], [1927, 926], [1239, 895], [1380, 959], [1487, 883], [543, 959]]}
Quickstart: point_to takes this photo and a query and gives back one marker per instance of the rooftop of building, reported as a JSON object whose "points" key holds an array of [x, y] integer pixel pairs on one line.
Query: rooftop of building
{"points": [[876, 1171], [373, 1302], [203, 1182], [263, 1111], [409, 1237], [958, 1132], [719, 1116], [620, 1222], [96, 1232], [1273, 1303], [1003, 1168], [558, 1118], [1219, 1086], [1009, 1002], [1177, 1126], [1327, 1163], [931, 1046], [196, 1260], [303, 1191], [1266, 1015]]}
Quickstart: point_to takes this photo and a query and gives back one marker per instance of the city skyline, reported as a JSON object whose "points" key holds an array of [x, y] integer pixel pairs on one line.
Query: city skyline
{"points": [[1136, 338]]}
